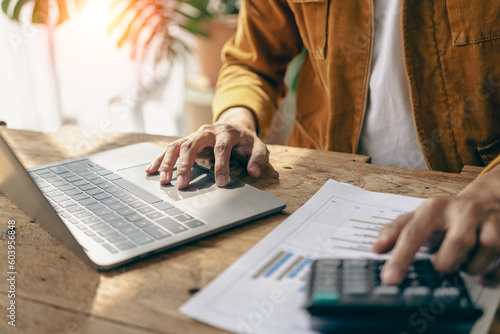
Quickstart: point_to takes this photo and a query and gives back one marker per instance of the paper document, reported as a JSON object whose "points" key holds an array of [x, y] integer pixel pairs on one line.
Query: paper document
{"points": [[264, 291]]}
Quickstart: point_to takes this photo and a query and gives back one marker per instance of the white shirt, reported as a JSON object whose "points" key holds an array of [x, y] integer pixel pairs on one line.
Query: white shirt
{"points": [[388, 133]]}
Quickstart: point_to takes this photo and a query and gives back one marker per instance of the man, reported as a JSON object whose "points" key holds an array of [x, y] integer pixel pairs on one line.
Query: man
{"points": [[442, 113]]}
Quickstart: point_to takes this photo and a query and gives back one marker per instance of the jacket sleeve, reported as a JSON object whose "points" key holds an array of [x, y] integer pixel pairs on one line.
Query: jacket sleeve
{"points": [[255, 60]]}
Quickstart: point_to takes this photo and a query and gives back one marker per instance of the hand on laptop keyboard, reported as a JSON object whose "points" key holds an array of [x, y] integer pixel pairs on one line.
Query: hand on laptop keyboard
{"points": [[233, 134]]}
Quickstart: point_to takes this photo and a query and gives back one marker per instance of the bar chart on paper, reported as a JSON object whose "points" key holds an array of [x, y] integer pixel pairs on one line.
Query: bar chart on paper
{"points": [[264, 290]]}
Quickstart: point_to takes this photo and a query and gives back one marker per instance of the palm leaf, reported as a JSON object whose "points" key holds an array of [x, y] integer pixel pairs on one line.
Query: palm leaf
{"points": [[41, 9]]}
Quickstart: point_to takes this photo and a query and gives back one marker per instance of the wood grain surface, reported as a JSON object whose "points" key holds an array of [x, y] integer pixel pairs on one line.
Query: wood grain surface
{"points": [[57, 293]]}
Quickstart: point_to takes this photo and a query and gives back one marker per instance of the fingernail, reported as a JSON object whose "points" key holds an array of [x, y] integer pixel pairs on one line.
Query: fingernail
{"points": [[391, 275], [163, 176], [149, 167], [180, 181], [221, 180], [254, 170]]}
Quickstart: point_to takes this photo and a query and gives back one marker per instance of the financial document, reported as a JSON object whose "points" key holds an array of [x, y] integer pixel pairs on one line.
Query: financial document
{"points": [[264, 290]]}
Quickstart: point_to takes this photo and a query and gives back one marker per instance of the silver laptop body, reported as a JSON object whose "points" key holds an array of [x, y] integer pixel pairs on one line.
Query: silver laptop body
{"points": [[107, 210]]}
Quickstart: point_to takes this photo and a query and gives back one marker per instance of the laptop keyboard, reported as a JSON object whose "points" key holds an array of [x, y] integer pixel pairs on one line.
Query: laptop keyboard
{"points": [[113, 211]]}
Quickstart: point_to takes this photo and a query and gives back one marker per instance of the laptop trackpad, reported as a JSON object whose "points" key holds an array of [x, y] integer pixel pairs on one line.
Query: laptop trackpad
{"points": [[202, 182]]}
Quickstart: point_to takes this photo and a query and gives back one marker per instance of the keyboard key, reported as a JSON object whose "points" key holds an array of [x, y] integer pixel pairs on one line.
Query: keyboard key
{"points": [[73, 221], [107, 232], [48, 189], [74, 178], [67, 187], [125, 211], [110, 249], [105, 185], [96, 206], [65, 215], [67, 204], [117, 206], [42, 184], [120, 194], [112, 177], [94, 191], [183, 218], [66, 175], [141, 238], [98, 181], [75, 167], [58, 209], [108, 201], [99, 240], [111, 217], [195, 223], [155, 215], [113, 189], [103, 212], [61, 199], [74, 209], [133, 217], [163, 206], [73, 192], [138, 191], [137, 204], [54, 194], [101, 196], [90, 233], [84, 185], [115, 239], [52, 179], [119, 223], [174, 212], [128, 199], [129, 230], [171, 225], [58, 169], [99, 226], [142, 223], [146, 210], [91, 176], [81, 227], [103, 172], [126, 245], [59, 183], [82, 214], [156, 232], [88, 201], [90, 220]]}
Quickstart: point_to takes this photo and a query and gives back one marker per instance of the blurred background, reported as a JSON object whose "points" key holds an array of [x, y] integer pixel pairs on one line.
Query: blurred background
{"points": [[116, 65]]}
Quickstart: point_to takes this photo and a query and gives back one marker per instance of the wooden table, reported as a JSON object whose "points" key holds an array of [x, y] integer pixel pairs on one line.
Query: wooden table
{"points": [[57, 293]]}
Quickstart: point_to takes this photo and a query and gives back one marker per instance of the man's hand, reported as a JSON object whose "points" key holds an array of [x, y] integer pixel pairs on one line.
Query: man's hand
{"points": [[466, 229], [233, 134]]}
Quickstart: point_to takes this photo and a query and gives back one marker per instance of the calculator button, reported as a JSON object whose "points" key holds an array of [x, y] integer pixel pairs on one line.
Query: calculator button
{"points": [[386, 291], [326, 297], [448, 293], [415, 295]]}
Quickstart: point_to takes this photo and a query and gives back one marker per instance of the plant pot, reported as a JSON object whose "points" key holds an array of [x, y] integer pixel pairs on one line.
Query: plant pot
{"points": [[209, 48]]}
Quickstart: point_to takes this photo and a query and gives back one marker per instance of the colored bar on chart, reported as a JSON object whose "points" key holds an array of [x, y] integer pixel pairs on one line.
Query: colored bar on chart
{"points": [[277, 264], [268, 265], [300, 267], [290, 267]]}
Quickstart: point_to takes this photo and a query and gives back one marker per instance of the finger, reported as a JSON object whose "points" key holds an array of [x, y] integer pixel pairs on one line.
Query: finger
{"points": [[390, 232], [155, 164], [222, 155], [489, 248], [188, 153], [259, 159], [461, 236], [492, 276], [167, 165], [427, 219]]}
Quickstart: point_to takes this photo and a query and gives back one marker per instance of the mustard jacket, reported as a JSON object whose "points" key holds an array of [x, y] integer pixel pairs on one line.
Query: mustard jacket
{"points": [[452, 58]]}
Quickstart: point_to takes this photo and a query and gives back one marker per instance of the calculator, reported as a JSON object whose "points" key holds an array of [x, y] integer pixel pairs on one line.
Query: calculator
{"points": [[347, 296]]}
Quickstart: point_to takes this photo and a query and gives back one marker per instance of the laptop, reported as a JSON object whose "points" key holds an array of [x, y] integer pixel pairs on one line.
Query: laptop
{"points": [[109, 212]]}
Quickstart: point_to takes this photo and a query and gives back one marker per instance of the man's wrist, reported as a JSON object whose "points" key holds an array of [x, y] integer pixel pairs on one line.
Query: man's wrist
{"points": [[238, 116]]}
